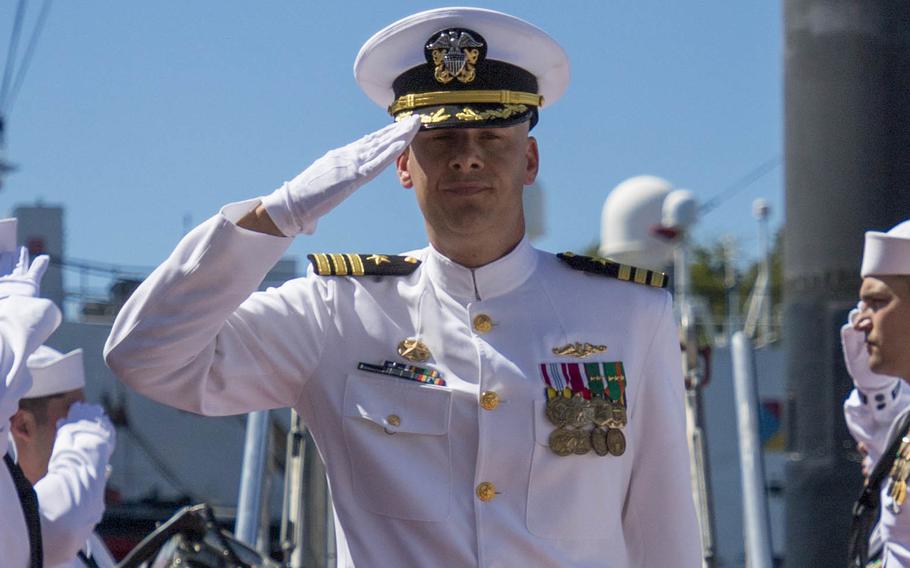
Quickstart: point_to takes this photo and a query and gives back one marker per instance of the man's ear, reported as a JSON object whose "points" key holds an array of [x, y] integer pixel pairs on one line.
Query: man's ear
{"points": [[533, 161], [23, 425], [404, 174]]}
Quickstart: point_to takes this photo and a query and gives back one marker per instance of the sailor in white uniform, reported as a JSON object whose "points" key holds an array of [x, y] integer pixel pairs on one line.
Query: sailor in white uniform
{"points": [[63, 446], [25, 322], [477, 402], [875, 341]]}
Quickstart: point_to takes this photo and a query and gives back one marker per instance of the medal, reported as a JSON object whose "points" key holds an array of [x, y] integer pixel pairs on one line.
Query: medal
{"points": [[599, 441], [557, 410], [616, 442], [581, 395], [617, 416], [582, 442], [562, 441], [897, 484], [603, 411], [580, 412]]}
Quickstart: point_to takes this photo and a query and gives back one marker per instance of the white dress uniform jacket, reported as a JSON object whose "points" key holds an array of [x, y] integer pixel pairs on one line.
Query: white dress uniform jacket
{"points": [[871, 417], [24, 325], [404, 459]]}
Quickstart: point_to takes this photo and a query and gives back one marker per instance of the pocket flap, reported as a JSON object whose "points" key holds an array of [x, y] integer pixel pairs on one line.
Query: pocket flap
{"points": [[398, 405]]}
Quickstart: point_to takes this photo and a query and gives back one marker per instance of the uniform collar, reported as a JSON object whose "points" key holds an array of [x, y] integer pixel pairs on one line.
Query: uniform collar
{"points": [[495, 279]]}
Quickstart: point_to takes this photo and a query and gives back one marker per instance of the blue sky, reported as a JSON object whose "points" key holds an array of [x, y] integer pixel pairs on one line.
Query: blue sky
{"points": [[138, 115]]}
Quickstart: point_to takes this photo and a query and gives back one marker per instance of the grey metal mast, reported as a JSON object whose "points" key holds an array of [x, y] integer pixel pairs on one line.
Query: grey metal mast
{"points": [[847, 135]]}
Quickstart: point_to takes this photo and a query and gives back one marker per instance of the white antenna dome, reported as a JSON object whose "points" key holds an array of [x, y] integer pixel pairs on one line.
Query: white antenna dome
{"points": [[630, 213]]}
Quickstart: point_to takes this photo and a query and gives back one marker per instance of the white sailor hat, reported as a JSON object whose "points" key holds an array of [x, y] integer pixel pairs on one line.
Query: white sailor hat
{"points": [[53, 372], [462, 67], [887, 253]]}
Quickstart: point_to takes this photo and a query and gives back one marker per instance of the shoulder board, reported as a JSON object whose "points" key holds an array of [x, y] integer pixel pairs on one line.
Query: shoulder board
{"points": [[352, 264], [616, 270]]}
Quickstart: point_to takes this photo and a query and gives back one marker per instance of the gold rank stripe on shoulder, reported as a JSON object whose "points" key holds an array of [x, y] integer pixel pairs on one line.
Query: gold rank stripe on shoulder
{"points": [[353, 264], [616, 270]]}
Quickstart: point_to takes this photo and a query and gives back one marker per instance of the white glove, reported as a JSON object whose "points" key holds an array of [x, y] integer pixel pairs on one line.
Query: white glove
{"points": [[296, 206], [857, 358], [86, 418], [18, 277]]}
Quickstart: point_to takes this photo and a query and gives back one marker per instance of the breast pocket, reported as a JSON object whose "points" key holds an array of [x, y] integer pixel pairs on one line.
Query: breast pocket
{"points": [[574, 497], [397, 436]]}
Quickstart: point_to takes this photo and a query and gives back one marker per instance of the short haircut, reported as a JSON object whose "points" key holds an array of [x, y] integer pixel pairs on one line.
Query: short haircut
{"points": [[38, 406]]}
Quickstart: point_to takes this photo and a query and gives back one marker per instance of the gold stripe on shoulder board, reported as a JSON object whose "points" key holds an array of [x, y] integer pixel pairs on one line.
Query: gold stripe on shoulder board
{"points": [[322, 264], [625, 272], [356, 264], [341, 267]]}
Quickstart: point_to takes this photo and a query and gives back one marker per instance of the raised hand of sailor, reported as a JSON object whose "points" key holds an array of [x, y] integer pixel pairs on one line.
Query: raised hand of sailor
{"points": [[296, 206], [20, 277], [856, 357]]}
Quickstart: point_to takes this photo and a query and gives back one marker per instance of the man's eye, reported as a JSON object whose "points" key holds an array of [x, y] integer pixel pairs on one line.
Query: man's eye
{"points": [[876, 305]]}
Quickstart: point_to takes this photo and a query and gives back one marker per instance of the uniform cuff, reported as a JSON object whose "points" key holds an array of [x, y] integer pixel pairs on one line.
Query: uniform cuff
{"points": [[881, 398]]}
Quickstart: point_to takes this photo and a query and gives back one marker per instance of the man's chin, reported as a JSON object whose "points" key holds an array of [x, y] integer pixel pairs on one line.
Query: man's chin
{"points": [[876, 365]]}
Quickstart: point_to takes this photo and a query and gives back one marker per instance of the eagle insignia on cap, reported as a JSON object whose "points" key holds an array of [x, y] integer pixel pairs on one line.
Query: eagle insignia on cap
{"points": [[454, 54]]}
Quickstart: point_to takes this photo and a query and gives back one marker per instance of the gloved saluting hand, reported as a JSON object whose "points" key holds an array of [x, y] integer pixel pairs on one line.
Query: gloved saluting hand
{"points": [[296, 206], [856, 358], [87, 428], [18, 277]]}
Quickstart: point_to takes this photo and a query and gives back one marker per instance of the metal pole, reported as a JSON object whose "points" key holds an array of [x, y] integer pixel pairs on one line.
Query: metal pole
{"points": [[761, 211], [846, 134], [730, 287], [699, 468], [756, 522], [318, 512], [255, 452], [292, 534]]}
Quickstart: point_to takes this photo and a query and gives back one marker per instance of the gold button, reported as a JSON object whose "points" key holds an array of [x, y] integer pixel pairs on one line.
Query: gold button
{"points": [[393, 420], [486, 491], [483, 323], [489, 400]]}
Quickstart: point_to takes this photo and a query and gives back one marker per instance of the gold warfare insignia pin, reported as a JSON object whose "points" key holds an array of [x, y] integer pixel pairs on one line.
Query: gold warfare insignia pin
{"points": [[580, 350], [454, 54], [414, 349]]}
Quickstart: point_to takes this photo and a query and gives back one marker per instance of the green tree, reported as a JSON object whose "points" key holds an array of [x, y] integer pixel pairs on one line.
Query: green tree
{"points": [[708, 270]]}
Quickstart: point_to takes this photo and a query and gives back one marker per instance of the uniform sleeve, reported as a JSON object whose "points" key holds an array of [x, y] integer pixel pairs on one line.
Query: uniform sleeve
{"points": [[24, 325], [71, 495], [869, 415], [192, 336], [659, 517]]}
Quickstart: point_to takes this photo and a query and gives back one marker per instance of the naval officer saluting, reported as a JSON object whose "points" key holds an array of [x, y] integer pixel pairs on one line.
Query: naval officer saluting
{"points": [[477, 402]]}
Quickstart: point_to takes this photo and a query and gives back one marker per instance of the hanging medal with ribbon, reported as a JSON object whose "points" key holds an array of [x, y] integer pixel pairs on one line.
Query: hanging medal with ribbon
{"points": [[562, 439], [897, 479], [580, 395]]}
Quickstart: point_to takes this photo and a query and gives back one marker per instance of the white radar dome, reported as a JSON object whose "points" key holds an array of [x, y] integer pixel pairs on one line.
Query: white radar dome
{"points": [[630, 214]]}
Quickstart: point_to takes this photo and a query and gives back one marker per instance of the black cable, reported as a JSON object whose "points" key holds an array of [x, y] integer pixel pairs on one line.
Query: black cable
{"points": [[27, 57], [112, 270], [11, 53], [742, 183]]}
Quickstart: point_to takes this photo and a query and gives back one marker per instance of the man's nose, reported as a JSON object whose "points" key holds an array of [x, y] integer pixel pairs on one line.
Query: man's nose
{"points": [[466, 156], [863, 320]]}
